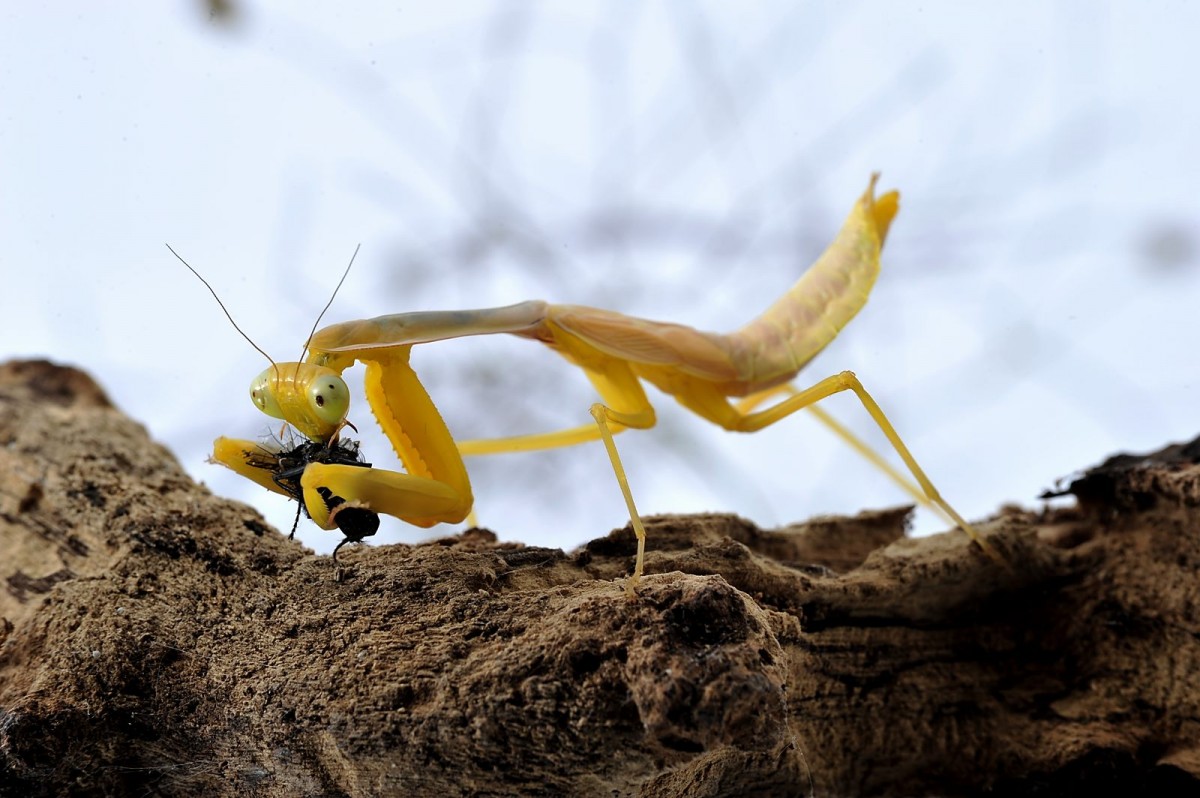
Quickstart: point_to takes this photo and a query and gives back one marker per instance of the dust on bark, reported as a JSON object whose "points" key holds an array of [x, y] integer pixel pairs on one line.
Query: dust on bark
{"points": [[158, 640]]}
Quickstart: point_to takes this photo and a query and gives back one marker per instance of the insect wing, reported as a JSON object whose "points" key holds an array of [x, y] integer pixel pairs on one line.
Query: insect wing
{"points": [[693, 352]]}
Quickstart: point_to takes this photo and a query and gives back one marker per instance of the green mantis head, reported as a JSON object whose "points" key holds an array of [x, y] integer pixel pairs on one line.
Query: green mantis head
{"points": [[313, 399]]}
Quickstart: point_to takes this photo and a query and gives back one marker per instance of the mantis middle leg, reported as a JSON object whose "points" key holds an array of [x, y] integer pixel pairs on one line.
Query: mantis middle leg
{"points": [[625, 406]]}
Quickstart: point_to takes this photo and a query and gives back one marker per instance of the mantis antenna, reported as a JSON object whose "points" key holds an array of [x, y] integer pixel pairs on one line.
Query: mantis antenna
{"points": [[332, 296], [242, 332], [226, 310], [320, 316]]}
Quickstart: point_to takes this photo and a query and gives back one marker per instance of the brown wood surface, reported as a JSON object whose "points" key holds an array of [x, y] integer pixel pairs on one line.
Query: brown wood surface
{"points": [[158, 640]]}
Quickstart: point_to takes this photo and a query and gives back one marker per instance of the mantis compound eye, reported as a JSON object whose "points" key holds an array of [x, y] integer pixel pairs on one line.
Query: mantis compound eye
{"points": [[329, 398], [262, 393]]}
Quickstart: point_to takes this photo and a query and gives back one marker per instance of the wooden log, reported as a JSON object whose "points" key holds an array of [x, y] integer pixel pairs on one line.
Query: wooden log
{"points": [[159, 640]]}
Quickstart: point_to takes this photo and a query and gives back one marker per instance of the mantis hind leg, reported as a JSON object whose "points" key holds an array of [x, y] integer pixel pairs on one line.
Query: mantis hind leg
{"points": [[734, 419], [853, 441]]}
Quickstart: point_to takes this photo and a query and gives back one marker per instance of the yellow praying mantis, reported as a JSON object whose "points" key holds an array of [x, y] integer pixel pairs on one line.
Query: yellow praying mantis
{"points": [[703, 371]]}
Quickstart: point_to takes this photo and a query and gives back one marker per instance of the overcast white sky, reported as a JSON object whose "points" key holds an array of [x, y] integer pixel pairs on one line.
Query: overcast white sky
{"points": [[681, 161]]}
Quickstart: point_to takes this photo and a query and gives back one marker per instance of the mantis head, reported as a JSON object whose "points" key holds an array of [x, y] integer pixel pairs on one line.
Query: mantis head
{"points": [[313, 399]]}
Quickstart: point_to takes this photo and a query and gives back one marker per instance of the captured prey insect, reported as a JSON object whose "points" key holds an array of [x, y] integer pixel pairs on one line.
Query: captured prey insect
{"points": [[703, 371], [285, 465]]}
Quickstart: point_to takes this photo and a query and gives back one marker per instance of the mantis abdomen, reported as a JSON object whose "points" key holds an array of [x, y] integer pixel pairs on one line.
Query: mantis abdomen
{"points": [[772, 348]]}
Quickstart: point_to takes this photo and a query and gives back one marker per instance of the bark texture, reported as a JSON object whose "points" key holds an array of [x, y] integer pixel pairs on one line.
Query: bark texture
{"points": [[158, 640]]}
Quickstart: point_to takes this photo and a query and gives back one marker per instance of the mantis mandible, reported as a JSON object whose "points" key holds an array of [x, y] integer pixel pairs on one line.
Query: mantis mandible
{"points": [[703, 371]]}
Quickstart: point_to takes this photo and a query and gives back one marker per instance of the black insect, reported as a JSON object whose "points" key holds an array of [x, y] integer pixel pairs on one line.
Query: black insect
{"points": [[287, 467]]}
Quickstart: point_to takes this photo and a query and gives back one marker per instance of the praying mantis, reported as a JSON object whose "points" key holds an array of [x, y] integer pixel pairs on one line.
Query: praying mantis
{"points": [[703, 371]]}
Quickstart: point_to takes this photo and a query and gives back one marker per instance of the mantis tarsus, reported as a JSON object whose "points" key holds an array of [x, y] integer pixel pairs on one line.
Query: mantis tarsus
{"points": [[702, 370]]}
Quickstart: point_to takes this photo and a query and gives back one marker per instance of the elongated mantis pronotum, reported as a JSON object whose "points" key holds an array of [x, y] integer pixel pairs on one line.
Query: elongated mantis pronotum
{"points": [[702, 370]]}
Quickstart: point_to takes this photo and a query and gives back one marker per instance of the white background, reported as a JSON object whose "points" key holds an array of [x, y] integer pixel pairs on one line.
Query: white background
{"points": [[1038, 305]]}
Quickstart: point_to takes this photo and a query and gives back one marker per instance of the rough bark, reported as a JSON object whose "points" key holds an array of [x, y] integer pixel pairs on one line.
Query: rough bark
{"points": [[158, 640]]}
